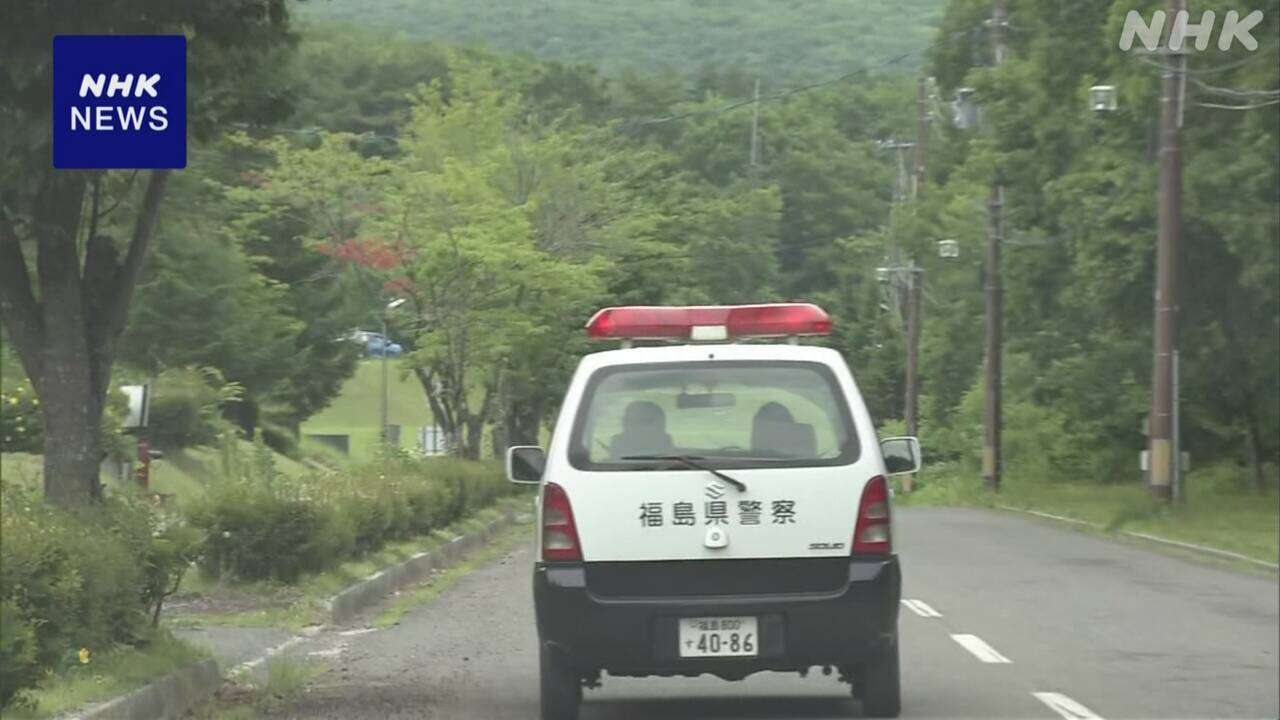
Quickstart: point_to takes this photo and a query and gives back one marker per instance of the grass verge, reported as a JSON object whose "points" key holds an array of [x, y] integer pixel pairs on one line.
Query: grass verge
{"points": [[106, 675], [285, 680], [293, 607], [1239, 521], [430, 588]]}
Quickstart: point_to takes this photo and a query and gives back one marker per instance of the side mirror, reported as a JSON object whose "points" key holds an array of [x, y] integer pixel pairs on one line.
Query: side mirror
{"points": [[901, 455], [525, 464]]}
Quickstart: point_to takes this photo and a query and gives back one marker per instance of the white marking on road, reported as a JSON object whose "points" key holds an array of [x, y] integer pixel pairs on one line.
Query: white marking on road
{"points": [[921, 608], [980, 649], [251, 664], [1066, 707], [358, 631]]}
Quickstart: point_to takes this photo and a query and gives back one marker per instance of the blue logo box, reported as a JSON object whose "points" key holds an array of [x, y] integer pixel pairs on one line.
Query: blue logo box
{"points": [[119, 101]]}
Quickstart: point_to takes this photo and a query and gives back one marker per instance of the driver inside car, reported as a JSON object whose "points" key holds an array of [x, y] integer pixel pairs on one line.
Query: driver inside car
{"points": [[775, 433], [644, 431]]}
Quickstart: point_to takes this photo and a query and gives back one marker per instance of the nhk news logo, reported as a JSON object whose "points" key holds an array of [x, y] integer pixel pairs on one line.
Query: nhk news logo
{"points": [[119, 101], [1233, 28]]}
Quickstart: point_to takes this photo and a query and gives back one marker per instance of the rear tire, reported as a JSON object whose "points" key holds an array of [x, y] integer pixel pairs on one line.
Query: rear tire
{"points": [[561, 687], [880, 686]]}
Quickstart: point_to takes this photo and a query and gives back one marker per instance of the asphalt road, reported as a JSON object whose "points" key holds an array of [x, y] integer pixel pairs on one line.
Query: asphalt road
{"points": [[1005, 617]]}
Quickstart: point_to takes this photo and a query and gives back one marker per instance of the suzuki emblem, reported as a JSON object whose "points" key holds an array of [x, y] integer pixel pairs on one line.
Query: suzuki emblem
{"points": [[715, 490], [716, 537]]}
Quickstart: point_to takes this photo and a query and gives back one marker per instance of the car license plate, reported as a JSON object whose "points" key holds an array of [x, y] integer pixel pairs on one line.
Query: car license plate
{"points": [[719, 637]]}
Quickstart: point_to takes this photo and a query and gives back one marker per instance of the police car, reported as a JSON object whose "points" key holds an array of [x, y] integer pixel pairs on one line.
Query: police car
{"points": [[714, 505]]}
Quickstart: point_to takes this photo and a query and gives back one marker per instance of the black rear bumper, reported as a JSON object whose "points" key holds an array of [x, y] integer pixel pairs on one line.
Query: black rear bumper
{"points": [[843, 627]]}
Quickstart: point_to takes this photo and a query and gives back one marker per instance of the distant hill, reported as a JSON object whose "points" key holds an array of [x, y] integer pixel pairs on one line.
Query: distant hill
{"points": [[778, 39]]}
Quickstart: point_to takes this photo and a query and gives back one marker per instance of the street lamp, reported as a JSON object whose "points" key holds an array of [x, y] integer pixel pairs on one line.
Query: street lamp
{"points": [[386, 341]]}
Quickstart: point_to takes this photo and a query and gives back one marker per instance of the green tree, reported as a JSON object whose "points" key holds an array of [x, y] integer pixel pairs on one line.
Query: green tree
{"points": [[66, 323]]}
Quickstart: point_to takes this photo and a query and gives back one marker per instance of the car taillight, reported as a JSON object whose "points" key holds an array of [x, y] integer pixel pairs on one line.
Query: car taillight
{"points": [[871, 535], [559, 532]]}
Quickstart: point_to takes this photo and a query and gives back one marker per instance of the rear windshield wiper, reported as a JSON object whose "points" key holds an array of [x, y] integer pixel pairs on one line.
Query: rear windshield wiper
{"points": [[690, 461]]}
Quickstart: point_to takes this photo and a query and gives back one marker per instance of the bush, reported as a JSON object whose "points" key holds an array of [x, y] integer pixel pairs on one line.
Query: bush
{"points": [[260, 525], [19, 664], [20, 421], [92, 578], [185, 407]]}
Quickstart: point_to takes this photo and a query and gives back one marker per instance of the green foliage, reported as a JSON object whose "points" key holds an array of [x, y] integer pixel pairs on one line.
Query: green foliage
{"points": [[89, 579], [260, 525], [1078, 258], [185, 407], [800, 40], [20, 421], [19, 651]]}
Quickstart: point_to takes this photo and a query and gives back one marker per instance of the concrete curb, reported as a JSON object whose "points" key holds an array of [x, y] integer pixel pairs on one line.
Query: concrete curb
{"points": [[351, 601], [1192, 547], [174, 694], [168, 697]]}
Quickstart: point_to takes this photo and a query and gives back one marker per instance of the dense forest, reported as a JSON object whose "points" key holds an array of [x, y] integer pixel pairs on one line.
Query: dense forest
{"points": [[796, 40], [506, 195]]}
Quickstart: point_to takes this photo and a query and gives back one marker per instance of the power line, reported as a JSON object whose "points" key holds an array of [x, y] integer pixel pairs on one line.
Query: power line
{"points": [[1254, 106], [1260, 53], [1233, 92]]}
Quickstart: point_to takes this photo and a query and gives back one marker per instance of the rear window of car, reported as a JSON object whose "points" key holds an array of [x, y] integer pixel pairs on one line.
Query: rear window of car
{"points": [[721, 414]]}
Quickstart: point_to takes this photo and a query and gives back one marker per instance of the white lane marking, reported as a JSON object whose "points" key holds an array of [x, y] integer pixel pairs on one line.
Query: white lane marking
{"points": [[1066, 707], [980, 649], [921, 608], [359, 631], [251, 664]]}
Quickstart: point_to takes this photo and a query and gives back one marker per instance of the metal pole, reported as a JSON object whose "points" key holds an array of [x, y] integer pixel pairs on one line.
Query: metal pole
{"points": [[1166, 300], [991, 455], [382, 430]]}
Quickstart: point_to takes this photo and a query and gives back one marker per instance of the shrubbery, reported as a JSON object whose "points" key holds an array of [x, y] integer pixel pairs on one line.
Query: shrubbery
{"points": [[95, 578], [261, 525], [79, 579], [186, 405], [20, 421]]}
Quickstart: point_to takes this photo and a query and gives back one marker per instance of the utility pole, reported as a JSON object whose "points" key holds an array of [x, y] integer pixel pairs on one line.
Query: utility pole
{"points": [[915, 282], [991, 457], [1162, 447], [915, 275], [901, 191]]}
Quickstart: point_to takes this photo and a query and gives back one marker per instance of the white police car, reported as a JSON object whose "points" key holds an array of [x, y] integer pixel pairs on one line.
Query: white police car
{"points": [[715, 506]]}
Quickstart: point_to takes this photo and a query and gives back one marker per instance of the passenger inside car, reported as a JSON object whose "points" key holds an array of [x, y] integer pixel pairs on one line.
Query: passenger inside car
{"points": [[775, 433], [644, 431]]}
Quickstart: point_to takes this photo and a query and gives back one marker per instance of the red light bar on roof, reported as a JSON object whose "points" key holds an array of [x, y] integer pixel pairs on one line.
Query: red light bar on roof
{"points": [[714, 322]]}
